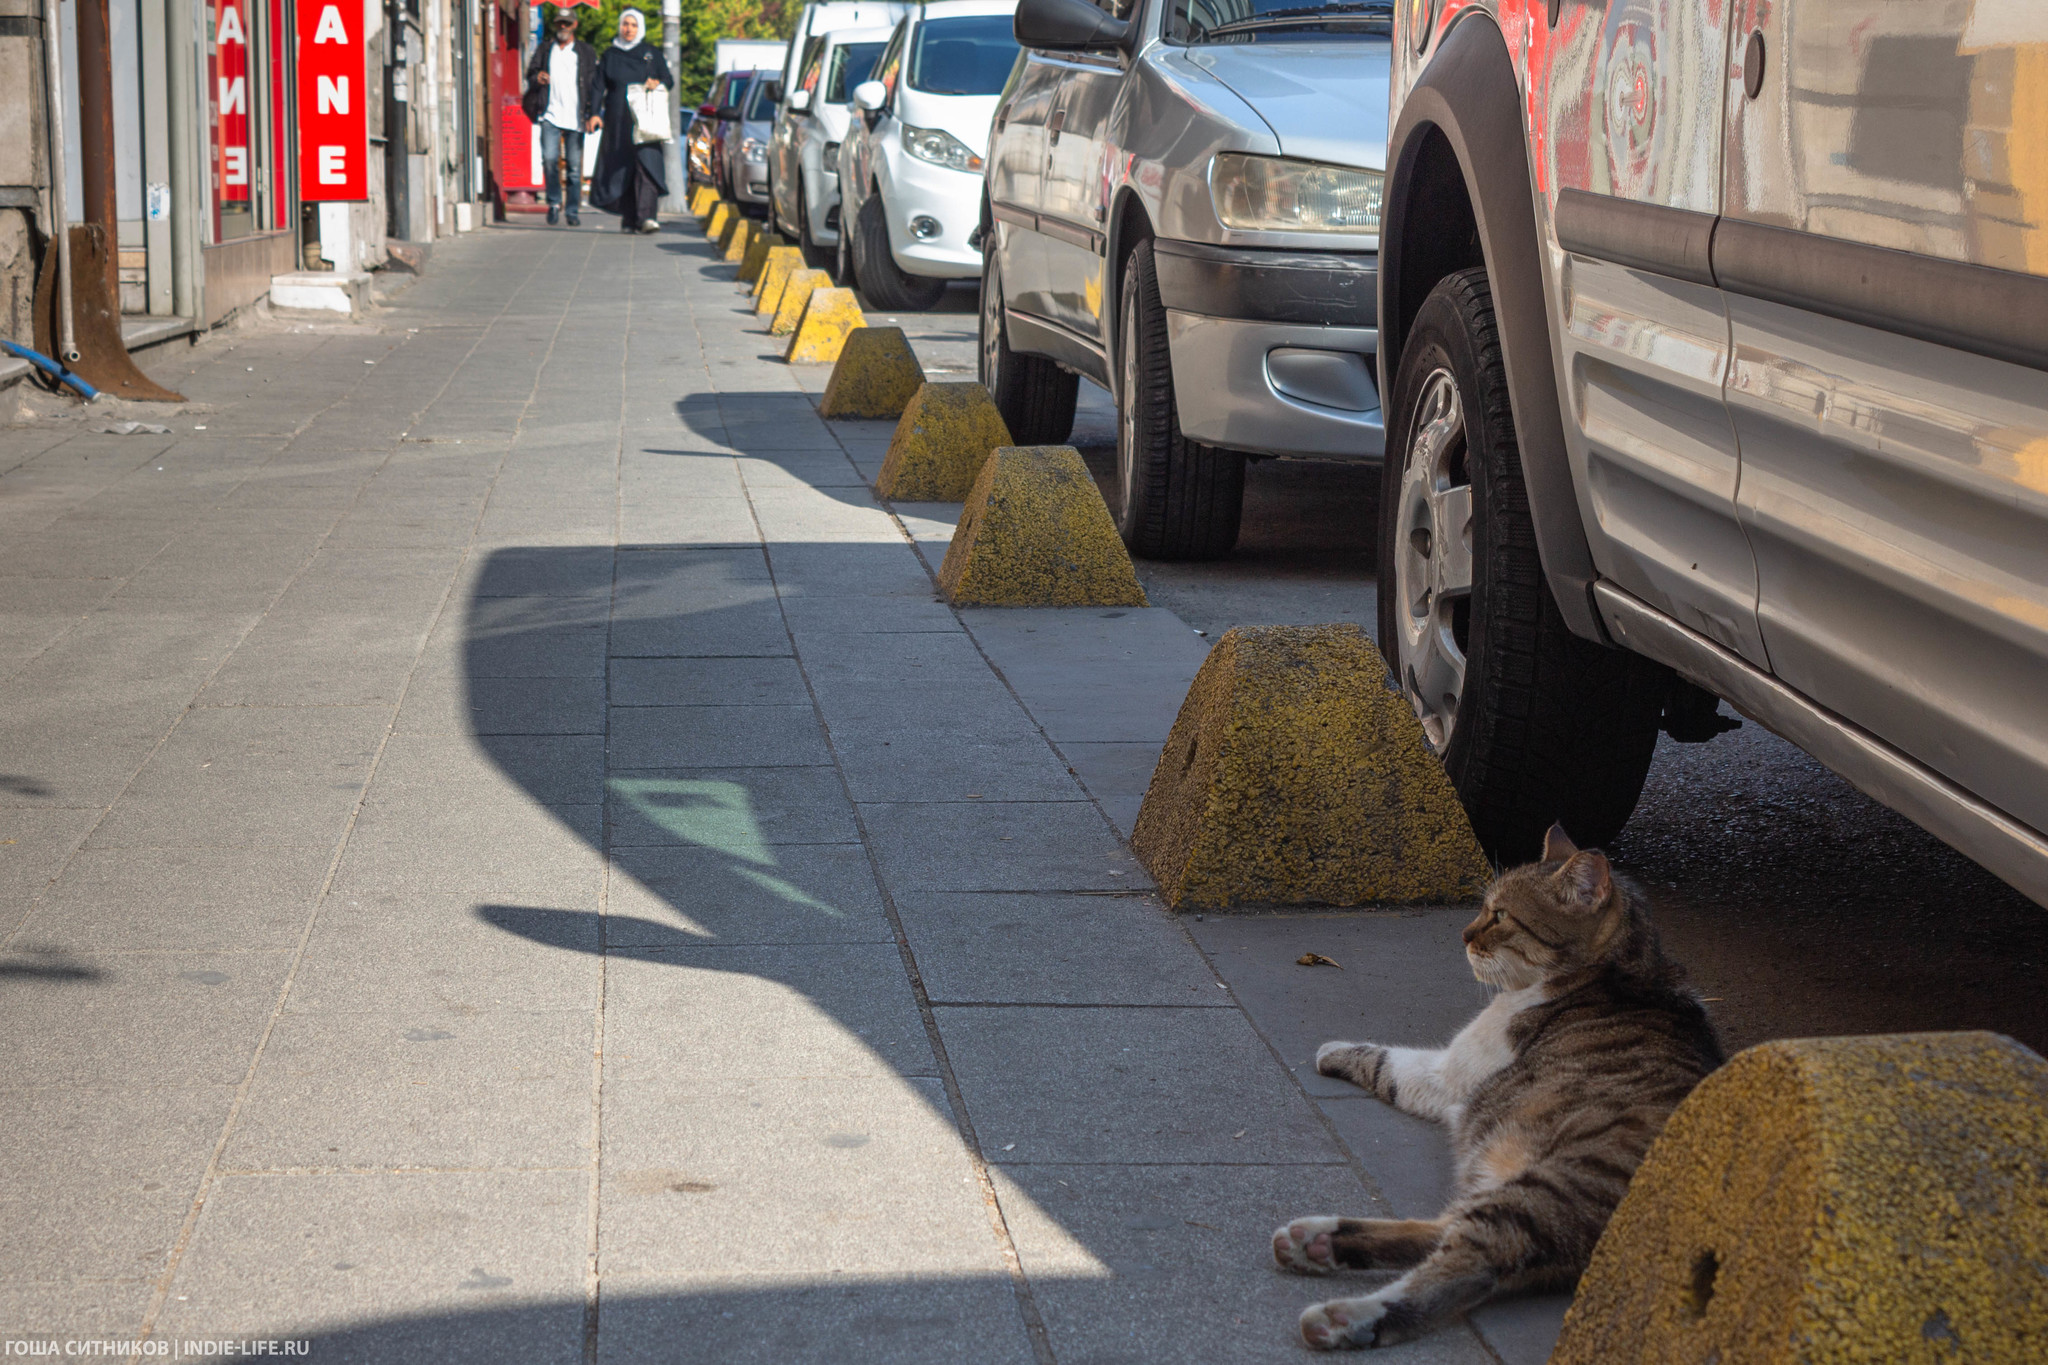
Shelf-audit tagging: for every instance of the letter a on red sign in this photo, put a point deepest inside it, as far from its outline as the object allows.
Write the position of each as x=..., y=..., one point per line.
x=333, y=102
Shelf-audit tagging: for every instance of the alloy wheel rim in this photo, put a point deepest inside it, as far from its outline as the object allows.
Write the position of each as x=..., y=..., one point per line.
x=1433, y=557
x=1126, y=414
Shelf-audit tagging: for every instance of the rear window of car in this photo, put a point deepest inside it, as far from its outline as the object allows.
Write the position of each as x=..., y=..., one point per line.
x=851, y=65
x=759, y=107
x=969, y=55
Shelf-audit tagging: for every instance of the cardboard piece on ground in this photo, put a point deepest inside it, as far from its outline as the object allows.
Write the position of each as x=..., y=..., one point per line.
x=1296, y=774
x=877, y=375
x=1834, y=1199
x=941, y=442
x=1035, y=533
x=829, y=317
x=789, y=309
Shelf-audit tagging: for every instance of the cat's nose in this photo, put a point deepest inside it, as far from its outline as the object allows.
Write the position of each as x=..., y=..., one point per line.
x=1470, y=933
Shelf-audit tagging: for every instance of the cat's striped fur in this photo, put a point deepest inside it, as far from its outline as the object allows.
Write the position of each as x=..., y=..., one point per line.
x=1552, y=1094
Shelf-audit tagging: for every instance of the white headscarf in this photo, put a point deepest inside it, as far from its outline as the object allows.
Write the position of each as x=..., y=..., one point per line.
x=620, y=42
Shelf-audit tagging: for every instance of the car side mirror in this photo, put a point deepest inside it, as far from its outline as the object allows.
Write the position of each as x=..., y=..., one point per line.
x=799, y=101
x=870, y=96
x=1070, y=26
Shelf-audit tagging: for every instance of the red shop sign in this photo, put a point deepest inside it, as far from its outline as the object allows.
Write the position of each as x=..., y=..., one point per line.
x=230, y=63
x=334, y=115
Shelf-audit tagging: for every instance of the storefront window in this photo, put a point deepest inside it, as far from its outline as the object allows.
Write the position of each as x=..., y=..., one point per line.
x=245, y=87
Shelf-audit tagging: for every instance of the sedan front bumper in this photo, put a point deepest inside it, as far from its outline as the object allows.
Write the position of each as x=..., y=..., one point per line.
x=1273, y=350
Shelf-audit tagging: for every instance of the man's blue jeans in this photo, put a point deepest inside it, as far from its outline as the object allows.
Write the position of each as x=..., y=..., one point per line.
x=556, y=143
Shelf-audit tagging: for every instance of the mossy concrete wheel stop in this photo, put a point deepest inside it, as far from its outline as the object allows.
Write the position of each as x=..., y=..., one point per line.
x=732, y=244
x=789, y=309
x=877, y=375
x=720, y=221
x=780, y=264
x=941, y=442
x=759, y=243
x=1824, y=1200
x=829, y=317
x=1296, y=774
x=1035, y=533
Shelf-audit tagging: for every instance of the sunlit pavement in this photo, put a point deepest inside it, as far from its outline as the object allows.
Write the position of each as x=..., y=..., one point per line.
x=506, y=858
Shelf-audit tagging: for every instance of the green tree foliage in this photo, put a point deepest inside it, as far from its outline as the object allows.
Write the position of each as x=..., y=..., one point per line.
x=704, y=22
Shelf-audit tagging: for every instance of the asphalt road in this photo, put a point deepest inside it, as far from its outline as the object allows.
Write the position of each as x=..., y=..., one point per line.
x=1800, y=906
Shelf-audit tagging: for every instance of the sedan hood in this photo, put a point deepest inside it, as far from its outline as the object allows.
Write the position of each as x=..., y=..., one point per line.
x=1324, y=101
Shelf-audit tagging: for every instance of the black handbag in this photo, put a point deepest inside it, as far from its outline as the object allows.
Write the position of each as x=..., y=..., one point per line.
x=534, y=103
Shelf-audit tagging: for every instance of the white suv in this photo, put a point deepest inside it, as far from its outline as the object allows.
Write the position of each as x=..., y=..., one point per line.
x=804, y=153
x=910, y=167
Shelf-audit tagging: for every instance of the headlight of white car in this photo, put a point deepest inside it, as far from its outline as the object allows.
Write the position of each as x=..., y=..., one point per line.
x=1270, y=194
x=941, y=148
x=753, y=149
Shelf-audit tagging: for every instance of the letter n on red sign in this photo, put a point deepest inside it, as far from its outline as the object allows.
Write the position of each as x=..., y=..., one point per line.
x=334, y=118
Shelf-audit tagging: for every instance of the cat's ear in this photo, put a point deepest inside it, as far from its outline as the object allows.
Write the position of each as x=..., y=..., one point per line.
x=1586, y=879
x=1557, y=845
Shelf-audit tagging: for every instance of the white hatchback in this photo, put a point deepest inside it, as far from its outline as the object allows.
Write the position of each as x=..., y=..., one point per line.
x=804, y=152
x=910, y=166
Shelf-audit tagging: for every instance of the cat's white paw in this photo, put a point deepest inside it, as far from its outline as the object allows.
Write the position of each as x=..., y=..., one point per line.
x=1303, y=1246
x=1346, y=1061
x=1342, y=1324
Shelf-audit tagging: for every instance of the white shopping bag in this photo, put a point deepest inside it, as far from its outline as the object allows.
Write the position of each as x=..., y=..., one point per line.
x=650, y=113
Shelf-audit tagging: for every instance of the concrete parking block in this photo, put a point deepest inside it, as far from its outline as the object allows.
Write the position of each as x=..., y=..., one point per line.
x=412, y=1085
x=157, y=899
x=461, y=1266
x=878, y=1161
x=1118, y=1085
x=790, y=893
x=999, y=846
x=999, y=948
x=728, y=807
x=761, y=1012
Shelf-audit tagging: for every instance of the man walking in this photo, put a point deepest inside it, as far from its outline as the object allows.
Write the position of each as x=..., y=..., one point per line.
x=568, y=68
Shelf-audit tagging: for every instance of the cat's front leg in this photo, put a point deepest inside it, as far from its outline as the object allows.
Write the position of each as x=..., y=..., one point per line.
x=1342, y=1324
x=1406, y=1077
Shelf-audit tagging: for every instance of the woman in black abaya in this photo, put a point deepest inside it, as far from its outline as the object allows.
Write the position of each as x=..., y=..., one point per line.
x=628, y=180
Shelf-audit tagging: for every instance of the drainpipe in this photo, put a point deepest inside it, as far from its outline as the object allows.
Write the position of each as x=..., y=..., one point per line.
x=96, y=136
x=188, y=187
x=53, y=90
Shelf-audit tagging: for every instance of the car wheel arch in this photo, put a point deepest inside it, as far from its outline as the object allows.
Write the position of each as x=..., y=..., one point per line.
x=1466, y=106
x=1129, y=224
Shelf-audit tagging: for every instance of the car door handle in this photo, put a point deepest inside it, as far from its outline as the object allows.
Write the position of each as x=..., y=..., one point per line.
x=1053, y=126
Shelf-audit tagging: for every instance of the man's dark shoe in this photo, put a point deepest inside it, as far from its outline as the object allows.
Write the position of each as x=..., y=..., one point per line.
x=575, y=221
x=554, y=215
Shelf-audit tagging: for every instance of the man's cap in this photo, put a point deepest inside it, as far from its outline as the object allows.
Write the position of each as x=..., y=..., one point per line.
x=565, y=21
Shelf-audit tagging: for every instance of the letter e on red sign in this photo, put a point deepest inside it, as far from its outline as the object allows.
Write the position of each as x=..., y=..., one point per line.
x=333, y=100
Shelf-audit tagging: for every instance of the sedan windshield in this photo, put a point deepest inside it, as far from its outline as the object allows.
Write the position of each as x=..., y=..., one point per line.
x=759, y=107
x=965, y=56
x=1265, y=21
x=850, y=66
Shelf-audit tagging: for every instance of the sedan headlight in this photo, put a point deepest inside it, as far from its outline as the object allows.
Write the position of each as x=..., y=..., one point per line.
x=941, y=148
x=1269, y=194
x=753, y=149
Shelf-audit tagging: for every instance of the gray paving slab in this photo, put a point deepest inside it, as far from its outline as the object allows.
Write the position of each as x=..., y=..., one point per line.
x=449, y=1266
x=508, y=849
x=1127, y=1085
x=762, y=1012
x=923, y=1321
x=446, y=952
x=1058, y=660
x=244, y=776
x=999, y=846
x=717, y=736
x=446, y=703
x=707, y=682
x=96, y=1182
x=789, y=893
x=951, y=767
x=727, y=808
x=414, y=1086
x=166, y=899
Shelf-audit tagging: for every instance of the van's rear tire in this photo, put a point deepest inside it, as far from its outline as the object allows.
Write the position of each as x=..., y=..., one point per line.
x=1534, y=725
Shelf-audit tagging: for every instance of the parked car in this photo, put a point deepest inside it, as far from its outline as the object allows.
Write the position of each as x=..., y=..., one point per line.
x=821, y=17
x=1183, y=206
x=803, y=154
x=744, y=142
x=723, y=104
x=1720, y=378
x=910, y=167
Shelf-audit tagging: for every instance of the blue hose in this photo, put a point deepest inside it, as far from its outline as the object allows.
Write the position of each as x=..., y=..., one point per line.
x=51, y=368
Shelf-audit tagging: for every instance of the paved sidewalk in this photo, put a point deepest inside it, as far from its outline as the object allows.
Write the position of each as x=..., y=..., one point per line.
x=508, y=859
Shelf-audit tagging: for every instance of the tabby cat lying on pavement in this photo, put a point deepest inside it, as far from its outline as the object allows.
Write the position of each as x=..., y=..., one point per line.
x=1552, y=1094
